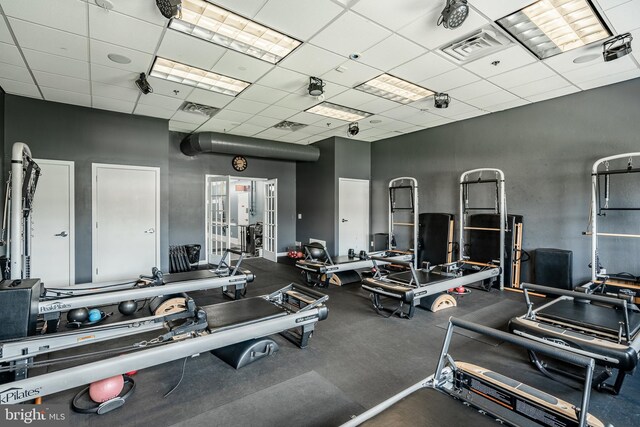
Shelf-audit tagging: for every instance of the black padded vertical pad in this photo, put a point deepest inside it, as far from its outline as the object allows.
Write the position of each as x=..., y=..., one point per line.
x=483, y=246
x=554, y=268
x=380, y=241
x=19, y=308
x=433, y=237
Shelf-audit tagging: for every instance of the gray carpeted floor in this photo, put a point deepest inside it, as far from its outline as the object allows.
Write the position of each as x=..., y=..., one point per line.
x=355, y=360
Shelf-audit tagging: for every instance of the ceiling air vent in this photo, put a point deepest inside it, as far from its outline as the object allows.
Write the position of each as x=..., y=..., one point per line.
x=285, y=125
x=204, y=110
x=481, y=43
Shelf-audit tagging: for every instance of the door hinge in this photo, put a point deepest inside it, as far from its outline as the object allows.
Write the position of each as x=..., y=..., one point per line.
x=96, y=271
x=96, y=224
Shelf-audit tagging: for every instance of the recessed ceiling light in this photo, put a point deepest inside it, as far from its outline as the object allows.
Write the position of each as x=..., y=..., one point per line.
x=201, y=109
x=394, y=89
x=105, y=4
x=120, y=59
x=222, y=27
x=192, y=76
x=287, y=125
x=548, y=28
x=586, y=58
x=339, y=112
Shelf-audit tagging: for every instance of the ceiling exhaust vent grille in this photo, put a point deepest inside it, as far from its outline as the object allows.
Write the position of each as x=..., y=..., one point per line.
x=481, y=43
x=203, y=110
x=285, y=125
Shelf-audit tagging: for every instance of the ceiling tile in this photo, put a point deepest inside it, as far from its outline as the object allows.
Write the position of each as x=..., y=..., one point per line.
x=391, y=52
x=564, y=62
x=377, y=106
x=66, y=97
x=495, y=98
x=217, y=125
x=300, y=19
x=636, y=35
x=153, y=111
x=12, y=72
x=297, y=102
x=178, y=126
x=540, y=86
x=56, y=64
x=292, y=137
x=233, y=116
x=19, y=88
x=246, y=106
x=304, y=118
x=352, y=98
x=426, y=32
x=262, y=121
x=351, y=74
x=169, y=88
x=350, y=33
x=421, y=68
x=45, y=39
x=260, y=93
x=272, y=134
x=115, y=92
x=247, y=130
x=507, y=105
x=246, y=8
x=111, y=104
x=5, y=35
x=194, y=119
x=162, y=101
x=329, y=123
x=474, y=90
x=145, y=10
x=189, y=50
x=625, y=16
x=495, y=10
x=608, y=4
x=65, y=83
x=610, y=79
x=207, y=97
x=311, y=60
x=394, y=14
x=140, y=61
x=9, y=54
x=449, y=80
x=283, y=79
x=241, y=66
x=601, y=69
x=509, y=59
x=113, y=76
x=403, y=113
x=390, y=124
x=123, y=30
x=49, y=13
x=553, y=94
x=527, y=74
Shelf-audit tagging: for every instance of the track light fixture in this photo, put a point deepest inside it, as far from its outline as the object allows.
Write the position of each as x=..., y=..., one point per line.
x=617, y=47
x=143, y=84
x=353, y=130
x=454, y=14
x=442, y=100
x=169, y=8
x=316, y=88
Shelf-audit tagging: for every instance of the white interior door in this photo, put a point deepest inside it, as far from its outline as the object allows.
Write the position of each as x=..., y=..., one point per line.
x=126, y=221
x=53, y=241
x=353, y=215
x=270, y=225
x=218, y=213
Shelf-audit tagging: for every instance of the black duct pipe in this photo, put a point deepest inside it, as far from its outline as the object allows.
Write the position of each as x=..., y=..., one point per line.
x=212, y=142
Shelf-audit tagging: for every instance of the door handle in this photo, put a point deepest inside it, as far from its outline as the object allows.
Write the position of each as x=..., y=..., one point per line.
x=150, y=231
x=61, y=234
x=345, y=220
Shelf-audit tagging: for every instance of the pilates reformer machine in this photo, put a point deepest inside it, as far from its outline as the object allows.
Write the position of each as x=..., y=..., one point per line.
x=434, y=287
x=461, y=393
x=290, y=311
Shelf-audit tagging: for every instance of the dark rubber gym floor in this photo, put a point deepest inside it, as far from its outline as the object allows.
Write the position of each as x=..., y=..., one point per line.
x=355, y=360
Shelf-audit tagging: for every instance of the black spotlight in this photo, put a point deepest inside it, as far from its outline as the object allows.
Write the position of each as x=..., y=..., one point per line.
x=143, y=84
x=353, y=129
x=442, y=100
x=169, y=8
x=316, y=86
x=617, y=47
x=454, y=14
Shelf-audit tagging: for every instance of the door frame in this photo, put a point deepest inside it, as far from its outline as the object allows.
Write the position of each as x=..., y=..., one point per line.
x=368, y=218
x=94, y=206
x=72, y=211
x=274, y=182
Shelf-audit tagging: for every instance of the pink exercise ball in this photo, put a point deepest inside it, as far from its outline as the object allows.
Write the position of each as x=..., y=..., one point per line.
x=106, y=389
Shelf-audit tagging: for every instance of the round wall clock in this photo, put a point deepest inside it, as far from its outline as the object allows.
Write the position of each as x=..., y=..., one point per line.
x=239, y=163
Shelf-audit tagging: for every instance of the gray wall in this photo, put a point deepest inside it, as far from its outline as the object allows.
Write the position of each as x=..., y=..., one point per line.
x=2, y=100
x=546, y=151
x=86, y=136
x=187, y=185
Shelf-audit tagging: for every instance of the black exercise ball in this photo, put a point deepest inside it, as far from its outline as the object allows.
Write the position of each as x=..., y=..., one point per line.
x=78, y=315
x=127, y=307
x=316, y=251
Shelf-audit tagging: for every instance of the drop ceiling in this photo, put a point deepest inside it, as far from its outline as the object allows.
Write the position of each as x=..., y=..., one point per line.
x=57, y=50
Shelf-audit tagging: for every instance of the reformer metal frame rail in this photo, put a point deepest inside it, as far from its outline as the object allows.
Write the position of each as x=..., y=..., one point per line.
x=412, y=185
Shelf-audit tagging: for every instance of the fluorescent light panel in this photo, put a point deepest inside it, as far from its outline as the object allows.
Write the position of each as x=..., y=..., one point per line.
x=395, y=89
x=551, y=27
x=339, y=112
x=180, y=73
x=217, y=25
